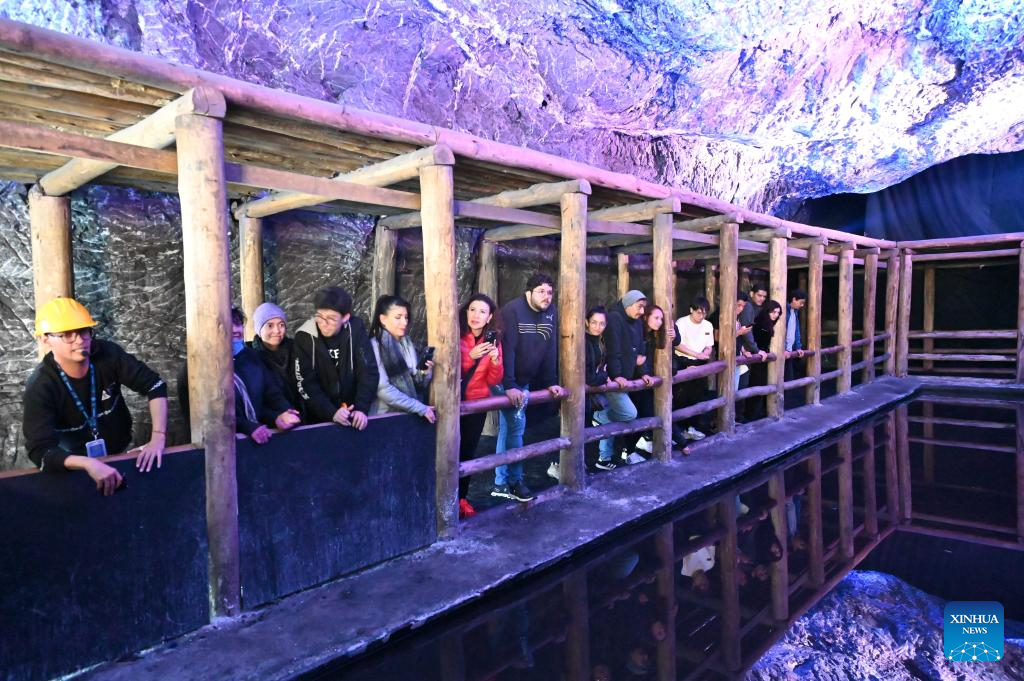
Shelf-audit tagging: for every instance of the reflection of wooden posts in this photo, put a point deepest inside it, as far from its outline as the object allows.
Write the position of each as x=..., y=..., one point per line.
x=780, y=568
x=845, y=381
x=622, y=260
x=451, y=654
x=250, y=268
x=870, y=485
x=903, y=316
x=816, y=539
x=892, y=297
x=868, y=325
x=928, y=313
x=801, y=283
x=777, y=274
x=442, y=304
x=665, y=547
x=727, y=252
x=711, y=293
x=744, y=279
x=815, y=263
x=204, y=240
x=661, y=262
x=732, y=658
x=577, y=641
x=845, y=474
x=52, y=265
x=928, y=449
x=903, y=461
x=1020, y=474
x=892, y=480
x=1020, y=317
x=385, y=244
x=572, y=303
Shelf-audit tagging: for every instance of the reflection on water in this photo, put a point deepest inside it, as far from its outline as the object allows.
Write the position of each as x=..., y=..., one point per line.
x=704, y=594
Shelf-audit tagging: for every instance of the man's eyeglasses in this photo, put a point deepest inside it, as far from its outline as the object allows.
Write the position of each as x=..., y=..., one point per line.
x=72, y=336
x=328, y=320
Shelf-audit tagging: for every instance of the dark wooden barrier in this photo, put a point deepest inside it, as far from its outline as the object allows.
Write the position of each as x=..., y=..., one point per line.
x=88, y=578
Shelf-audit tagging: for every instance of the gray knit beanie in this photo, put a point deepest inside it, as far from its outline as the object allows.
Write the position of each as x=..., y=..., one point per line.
x=264, y=313
x=631, y=297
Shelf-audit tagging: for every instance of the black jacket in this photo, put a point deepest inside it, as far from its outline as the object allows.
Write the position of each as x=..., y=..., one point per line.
x=624, y=340
x=52, y=424
x=529, y=345
x=324, y=387
x=648, y=366
x=280, y=365
x=260, y=385
x=597, y=367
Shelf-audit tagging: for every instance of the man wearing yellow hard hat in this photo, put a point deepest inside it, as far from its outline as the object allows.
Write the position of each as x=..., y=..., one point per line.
x=74, y=410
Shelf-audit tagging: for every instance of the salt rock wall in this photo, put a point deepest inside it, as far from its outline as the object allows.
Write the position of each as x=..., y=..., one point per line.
x=875, y=626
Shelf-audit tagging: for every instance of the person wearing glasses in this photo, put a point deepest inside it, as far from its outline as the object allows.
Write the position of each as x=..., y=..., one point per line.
x=696, y=343
x=74, y=411
x=335, y=369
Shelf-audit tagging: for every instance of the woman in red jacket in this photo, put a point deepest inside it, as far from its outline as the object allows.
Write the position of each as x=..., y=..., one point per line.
x=481, y=369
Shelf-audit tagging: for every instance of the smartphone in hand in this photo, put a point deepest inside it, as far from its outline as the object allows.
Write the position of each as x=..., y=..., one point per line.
x=490, y=337
x=428, y=355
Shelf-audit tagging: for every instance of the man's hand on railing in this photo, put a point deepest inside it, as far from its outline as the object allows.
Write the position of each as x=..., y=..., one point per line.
x=799, y=353
x=763, y=355
x=515, y=395
x=621, y=381
x=648, y=381
x=557, y=391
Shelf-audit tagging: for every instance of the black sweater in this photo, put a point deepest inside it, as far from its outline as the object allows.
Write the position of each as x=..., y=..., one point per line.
x=597, y=367
x=323, y=385
x=529, y=346
x=55, y=428
x=280, y=365
x=267, y=401
x=624, y=339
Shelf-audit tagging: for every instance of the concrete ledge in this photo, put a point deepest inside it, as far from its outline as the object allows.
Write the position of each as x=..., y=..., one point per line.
x=340, y=619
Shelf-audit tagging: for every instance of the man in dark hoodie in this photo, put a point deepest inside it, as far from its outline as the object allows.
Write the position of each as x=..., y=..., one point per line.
x=335, y=368
x=624, y=341
x=530, y=348
x=74, y=410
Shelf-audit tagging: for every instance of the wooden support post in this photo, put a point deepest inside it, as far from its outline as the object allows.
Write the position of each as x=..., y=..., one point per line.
x=743, y=283
x=250, y=270
x=1020, y=316
x=622, y=260
x=385, y=243
x=732, y=658
x=204, y=239
x=487, y=283
x=572, y=307
x=661, y=262
x=870, y=485
x=868, y=323
x=711, y=293
x=903, y=319
x=780, y=568
x=664, y=544
x=845, y=381
x=801, y=283
x=52, y=266
x=928, y=313
x=442, y=305
x=1020, y=474
x=577, y=640
x=892, y=301
x=928, y=449
x=726, y=325
x=815, y=265
x=815, y=539
x=892, y=478
x=903, y=461
x=777, y=275
x=845, y=474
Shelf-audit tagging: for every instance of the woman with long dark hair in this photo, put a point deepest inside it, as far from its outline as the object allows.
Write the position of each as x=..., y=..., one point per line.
x=401, y=383
x=656, y=337
x=482, y=369
x=597, y=375
x=764, y=328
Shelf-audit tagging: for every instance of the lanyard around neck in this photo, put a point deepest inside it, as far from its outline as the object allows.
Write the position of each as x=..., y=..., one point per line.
x=91, y=421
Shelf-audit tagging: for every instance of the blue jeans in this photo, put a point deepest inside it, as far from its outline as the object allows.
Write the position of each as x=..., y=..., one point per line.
x=511, y=425
x=620, y=409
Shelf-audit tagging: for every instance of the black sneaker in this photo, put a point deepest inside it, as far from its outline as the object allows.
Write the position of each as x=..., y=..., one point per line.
x=608, y=465
x=502, y=491
x=520, y=492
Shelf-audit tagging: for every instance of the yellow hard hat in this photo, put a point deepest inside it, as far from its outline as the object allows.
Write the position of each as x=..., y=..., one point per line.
x=62, y=314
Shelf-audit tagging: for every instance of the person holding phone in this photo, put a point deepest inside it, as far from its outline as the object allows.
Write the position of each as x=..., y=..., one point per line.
x=482, y=369
x=74, y=410
x=402, y=378
x=335, y=373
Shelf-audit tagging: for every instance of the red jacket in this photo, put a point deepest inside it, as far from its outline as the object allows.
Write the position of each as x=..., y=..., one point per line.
x=487, y=373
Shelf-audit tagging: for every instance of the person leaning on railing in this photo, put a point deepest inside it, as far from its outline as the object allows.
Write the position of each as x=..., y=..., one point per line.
x=482, y=369
x=403, y=378
x=624, y=340
x=696, y=342
x=277, y=352
x=657, y=336
x=613, y=407
x=73, y=407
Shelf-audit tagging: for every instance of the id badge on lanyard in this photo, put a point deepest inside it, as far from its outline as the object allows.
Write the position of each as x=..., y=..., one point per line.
x=97, y=446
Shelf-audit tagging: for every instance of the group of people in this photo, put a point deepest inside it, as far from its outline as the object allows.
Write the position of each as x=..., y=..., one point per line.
x=335, y=369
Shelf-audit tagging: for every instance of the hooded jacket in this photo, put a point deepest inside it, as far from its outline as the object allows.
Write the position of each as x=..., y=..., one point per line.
x=52, y=424
x=280, y=366
x=261, y=388
x=324, y=387
x=624, y=341
x=530, y=345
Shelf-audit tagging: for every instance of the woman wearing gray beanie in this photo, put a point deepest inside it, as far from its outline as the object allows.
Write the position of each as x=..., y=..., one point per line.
x=275, y=349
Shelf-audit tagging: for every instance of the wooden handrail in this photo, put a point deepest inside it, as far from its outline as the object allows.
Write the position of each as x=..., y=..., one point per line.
x=503, y=402
x=595, y=433
x=1008, y=333
x=943, y=357
x=702, y=371
x=633, y=386
x=492, y=461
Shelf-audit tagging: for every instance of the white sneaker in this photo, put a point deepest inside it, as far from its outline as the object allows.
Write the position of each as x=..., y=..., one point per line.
x=645, y=445
x=694, y=434
x=634, y=459
x=553, y=470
